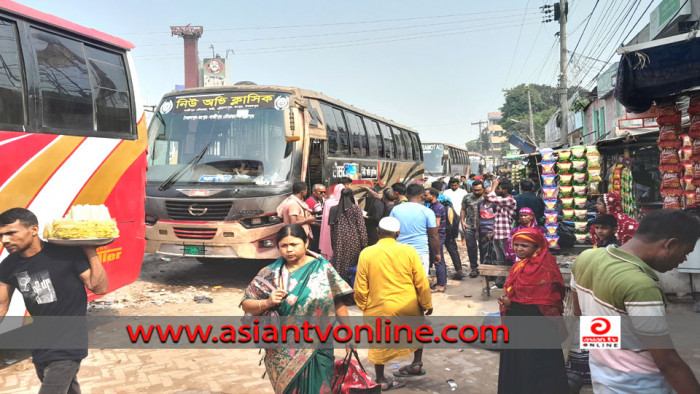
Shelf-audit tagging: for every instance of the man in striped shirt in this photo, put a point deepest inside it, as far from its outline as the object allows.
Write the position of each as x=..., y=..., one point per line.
x=620, y=281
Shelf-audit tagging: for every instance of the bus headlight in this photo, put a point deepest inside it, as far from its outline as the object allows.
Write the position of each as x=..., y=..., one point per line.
x=268, y=243
x=261, y=221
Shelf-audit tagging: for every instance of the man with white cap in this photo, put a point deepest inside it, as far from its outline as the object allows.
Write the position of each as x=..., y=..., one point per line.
x=391, y=281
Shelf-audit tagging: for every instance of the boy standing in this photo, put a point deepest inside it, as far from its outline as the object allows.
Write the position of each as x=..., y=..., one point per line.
x=605, y=228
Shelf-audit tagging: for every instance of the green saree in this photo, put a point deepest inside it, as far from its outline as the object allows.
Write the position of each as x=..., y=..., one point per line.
x=313, y=289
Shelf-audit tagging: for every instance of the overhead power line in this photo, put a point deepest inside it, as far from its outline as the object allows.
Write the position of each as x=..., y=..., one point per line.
x=340, y=23
x=588, y=20
x=500, y=18
x=340, y=44
x=627, y=36
x=515, y=52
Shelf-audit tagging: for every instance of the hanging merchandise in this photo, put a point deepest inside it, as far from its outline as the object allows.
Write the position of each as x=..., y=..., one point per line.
x=549, y=191
x=629, y=201
x=673, y=155
x=565, y=179
x=547, y=155
x=578, y=151
x=567, y=202
x=564, y=155
x=549, y=180
x=550, y=205
x=564, y=167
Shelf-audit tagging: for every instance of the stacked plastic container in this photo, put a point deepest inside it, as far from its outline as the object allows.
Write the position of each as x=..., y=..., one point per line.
x=577, y=193
x=549, y=195
x=517, y=172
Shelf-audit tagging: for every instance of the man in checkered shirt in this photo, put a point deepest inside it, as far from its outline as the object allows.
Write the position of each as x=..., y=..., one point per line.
x=505, y=209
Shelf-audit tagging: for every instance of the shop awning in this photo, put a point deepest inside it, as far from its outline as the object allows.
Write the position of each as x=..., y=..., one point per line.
x=523, y=145
x=631, y=139
x=656, y=70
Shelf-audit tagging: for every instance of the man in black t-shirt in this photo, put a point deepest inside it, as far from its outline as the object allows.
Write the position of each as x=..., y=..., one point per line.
x=52, y=280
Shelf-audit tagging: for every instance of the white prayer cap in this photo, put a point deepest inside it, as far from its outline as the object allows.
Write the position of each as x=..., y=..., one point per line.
x=390, y=224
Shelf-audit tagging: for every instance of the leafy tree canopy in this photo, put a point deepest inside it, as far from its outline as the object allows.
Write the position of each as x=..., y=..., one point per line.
x=545, y=102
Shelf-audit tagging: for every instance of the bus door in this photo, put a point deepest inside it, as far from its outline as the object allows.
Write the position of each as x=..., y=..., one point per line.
x=314, y=171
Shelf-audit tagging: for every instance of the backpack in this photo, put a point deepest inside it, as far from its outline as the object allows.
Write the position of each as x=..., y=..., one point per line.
x=452, y=218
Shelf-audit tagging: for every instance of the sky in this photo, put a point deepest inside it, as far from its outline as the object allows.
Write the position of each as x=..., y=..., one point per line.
x=434, y=66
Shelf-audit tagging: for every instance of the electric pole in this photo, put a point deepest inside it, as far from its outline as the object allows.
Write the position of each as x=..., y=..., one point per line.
x=481, y=138
x=532, y=123
x=563, y=89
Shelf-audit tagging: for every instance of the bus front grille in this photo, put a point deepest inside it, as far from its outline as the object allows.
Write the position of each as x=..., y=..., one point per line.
x=198, y=211
x=194, y=233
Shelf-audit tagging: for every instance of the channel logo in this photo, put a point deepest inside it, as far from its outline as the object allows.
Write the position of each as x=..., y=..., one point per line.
x=599, y=332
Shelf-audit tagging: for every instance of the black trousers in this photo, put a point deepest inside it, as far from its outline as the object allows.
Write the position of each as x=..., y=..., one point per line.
x=473, y=250
x=451, y=246
x=58, y=376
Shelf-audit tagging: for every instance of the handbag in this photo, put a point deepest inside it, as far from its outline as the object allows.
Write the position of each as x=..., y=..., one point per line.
x=351, y=378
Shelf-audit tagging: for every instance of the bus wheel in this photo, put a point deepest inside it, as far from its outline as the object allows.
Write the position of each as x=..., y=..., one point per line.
x=209, y=260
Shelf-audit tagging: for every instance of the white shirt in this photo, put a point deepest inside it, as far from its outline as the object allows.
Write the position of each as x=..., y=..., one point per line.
x=456, y=196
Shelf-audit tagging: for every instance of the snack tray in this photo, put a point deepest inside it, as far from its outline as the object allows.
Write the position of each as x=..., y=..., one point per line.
x=81, y=242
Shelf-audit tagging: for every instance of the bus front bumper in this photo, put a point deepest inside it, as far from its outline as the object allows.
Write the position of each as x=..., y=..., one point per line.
x=212, y=240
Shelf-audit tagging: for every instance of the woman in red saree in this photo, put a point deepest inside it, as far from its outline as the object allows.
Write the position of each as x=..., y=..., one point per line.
x=611, y=203
x=534, y=287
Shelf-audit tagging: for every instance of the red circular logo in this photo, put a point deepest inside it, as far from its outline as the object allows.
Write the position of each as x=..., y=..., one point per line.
x=600, y=326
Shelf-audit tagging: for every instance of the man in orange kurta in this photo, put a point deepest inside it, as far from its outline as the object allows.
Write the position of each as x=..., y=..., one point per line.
x=391, y=281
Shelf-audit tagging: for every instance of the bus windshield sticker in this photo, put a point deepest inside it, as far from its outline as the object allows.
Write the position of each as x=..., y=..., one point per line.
x=219, y=178
x=281, y=102
x=230, y=101
x=166, y=107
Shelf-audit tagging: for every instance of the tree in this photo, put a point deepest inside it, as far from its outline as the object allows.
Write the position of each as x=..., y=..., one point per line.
x=474, y=145
x=545, y=102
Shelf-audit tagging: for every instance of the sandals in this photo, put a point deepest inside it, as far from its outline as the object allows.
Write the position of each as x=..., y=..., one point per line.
x=390, y=384
x=410, y=370
x=438, y=289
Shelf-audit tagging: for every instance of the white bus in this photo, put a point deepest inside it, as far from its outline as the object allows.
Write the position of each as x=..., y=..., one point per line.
x=221, y=159
x=444, y=160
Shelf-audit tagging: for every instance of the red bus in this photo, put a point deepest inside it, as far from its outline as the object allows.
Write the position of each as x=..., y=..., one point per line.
x=72, y=130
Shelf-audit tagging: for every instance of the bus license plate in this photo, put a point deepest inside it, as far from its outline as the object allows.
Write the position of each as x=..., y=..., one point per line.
x=194, y=250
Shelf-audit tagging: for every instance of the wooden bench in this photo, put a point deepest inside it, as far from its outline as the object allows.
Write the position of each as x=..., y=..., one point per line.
x=491, y=270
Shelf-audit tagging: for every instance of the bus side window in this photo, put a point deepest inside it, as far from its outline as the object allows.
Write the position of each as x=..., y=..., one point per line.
x=359, y=138
x=400, y=149
x=110, y=89
x=331, y=129
x=375, y=140
x=66, y=94
x=417, y=151
x=389, y=147
x=408, y=144
x=343, y=135
x=11, y=82
x=81, y=94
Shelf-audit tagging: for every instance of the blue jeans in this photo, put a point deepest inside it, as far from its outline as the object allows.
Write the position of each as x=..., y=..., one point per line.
x=440, y=269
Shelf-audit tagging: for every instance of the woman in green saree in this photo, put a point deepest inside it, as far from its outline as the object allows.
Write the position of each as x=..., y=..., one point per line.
x=298, y=284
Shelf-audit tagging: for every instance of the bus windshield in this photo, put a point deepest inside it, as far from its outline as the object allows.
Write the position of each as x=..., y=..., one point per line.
x=218, y=146
x=432, y=156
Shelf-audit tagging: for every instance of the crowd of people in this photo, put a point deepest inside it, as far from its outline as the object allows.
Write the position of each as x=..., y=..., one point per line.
x=412, y=225
x=379, y=258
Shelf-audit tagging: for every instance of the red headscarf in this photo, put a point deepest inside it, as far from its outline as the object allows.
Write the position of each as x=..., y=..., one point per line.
x=626, y=226
x=536, y=280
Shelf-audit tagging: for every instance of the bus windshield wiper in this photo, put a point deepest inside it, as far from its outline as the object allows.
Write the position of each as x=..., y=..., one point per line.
x=177, y=174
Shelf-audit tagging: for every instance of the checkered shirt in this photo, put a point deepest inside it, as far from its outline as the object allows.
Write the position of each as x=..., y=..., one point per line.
x=505, y=209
